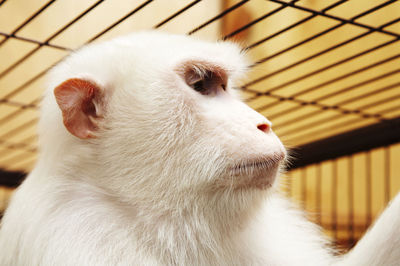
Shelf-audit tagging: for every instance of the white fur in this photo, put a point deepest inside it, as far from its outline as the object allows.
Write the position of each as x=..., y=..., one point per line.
x=153, y=188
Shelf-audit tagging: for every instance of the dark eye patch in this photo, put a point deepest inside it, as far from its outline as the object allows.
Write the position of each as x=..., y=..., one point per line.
x=199, y=86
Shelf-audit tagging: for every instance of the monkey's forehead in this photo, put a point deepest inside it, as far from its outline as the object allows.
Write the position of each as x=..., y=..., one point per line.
x=171, y=47
x=150, y=50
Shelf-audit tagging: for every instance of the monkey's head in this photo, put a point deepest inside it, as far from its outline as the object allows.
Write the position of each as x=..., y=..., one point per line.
x=156, y=115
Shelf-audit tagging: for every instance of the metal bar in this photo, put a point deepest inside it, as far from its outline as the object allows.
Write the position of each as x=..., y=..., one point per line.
x=385, y=88
x=318, y=198
x=332, y=118
x=26, y=161
x=343, y=226
x=359, y=140
x=304, y=59
x=18, y=62
x=21, y=105
x=322, y=106
x=357, y=71
x=31, y=138
x=314, y=55
x=257, y=43
x=311, y=125
x=22, y=87
x=120, y=20
x=46, y=42
x=18, y=158
x=16, y=146
x=321, y=121
x=299, y=118
x=64, y=28
x=315, y=101
x=19, y=128
x=324, y=130
x=350, y=184
x=387, y=174
x=296, y=45
x=334, y=5
x=16, y=112
x=326, y=67
x=223, y=13
x=334, y=199
x=165, y=21
x=11, y=116
x=368, y=189
x=27, y=83
x=294, y=109
x=347, y=21
x=34, y=41
x=284, y=29
x=6, y=152
x=372, y=9
x=385, y=100
x=303, y=181
x=248, y=25
x=349, y=88
x=81, y=15
x=37, y=13
x=388, y=110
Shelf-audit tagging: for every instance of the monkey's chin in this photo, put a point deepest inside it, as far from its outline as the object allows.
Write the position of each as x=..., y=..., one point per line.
x=257, y=174
x=254, y=178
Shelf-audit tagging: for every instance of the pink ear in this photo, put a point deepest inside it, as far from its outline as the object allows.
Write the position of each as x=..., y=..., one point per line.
x=75, y=98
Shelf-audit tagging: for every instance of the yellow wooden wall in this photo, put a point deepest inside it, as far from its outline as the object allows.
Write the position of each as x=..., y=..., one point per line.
x=345, y=195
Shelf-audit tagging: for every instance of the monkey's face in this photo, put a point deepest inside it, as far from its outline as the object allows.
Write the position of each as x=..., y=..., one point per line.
x=249, y=154
x=188, y=124
x=168, y=120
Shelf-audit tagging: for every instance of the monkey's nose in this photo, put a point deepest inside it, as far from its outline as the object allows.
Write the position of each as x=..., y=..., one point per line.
x=264, y=127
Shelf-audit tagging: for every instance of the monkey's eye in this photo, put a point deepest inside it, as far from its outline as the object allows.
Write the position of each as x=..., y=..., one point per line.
x=204, y=81
x=200, y=87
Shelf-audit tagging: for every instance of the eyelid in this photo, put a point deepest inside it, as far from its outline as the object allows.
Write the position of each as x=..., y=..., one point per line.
x=194, y=80
x=193, y=69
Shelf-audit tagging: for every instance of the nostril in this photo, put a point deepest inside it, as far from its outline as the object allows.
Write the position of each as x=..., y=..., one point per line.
x=263, y=127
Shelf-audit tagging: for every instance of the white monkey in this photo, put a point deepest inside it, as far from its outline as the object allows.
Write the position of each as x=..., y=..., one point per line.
x=148, y=158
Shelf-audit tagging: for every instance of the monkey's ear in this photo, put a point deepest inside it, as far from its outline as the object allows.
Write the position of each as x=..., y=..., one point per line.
x=77, y=101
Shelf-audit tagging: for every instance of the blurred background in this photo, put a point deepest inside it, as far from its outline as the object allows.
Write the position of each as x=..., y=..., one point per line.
x=326, y=73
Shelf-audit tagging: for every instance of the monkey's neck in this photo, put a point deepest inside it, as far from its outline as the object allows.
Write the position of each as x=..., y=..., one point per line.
x=201, y=231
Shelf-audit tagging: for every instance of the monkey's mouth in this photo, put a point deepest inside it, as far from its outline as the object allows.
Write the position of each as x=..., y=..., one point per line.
x=265, y=163
x=258, y=173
